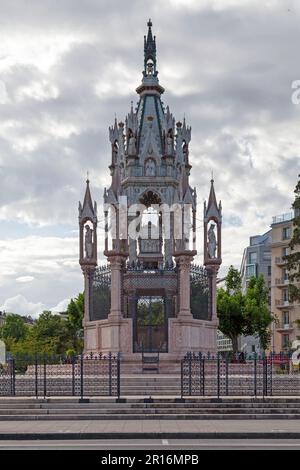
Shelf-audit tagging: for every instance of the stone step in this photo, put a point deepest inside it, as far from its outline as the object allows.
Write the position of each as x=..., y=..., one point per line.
x=141, y=406
x=172, y=400
x=149, y=416
x=156, y=411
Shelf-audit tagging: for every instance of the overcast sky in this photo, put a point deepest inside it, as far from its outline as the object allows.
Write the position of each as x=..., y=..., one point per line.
x=68, y=66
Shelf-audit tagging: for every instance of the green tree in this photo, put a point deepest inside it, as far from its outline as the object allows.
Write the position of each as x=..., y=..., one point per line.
x=75, y=311
x=256, y=311
x=14, y=328
x=293, y=259
x=49, y=335
x=230, y=302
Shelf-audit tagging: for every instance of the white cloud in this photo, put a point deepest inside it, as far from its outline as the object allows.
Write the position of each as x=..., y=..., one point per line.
x=25, y=279
x=61, y=306
x=20, y=305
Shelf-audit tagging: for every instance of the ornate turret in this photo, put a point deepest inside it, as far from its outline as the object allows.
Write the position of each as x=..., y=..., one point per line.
x=149, y=53
x=88, y=229
x=212, y=220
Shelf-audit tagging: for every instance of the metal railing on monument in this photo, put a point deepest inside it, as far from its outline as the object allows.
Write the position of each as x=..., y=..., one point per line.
x=229, y=374
x=43, y=375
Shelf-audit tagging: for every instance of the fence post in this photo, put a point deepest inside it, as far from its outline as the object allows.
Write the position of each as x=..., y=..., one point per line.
x=271, y=374
x=265, y=391
x=73, y=375
x=109, y=375
x=200, y=372
x=118, y=375
x=36, y=368
x=81, y=376
x=45, y=375
x=226, y=374
x=218, y=375
x=181, y=368
x=13, y=376
x=255, y=375
x=203, y=376
x=190, y=374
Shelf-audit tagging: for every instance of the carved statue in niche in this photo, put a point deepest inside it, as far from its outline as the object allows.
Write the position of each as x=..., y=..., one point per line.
x=150, y=167
x=132, y=145
x=212, y=242
x=169, y=144
x=88, y=242
x=185, y=150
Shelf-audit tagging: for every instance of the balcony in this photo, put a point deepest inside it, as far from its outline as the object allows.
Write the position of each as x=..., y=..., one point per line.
x=279, y=260
x=281, y=282
x=278, y=219
x=282, y=303
x=284, y=327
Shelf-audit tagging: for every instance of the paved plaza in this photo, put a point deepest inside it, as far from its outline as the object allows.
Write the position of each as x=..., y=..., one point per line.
x=150, y=429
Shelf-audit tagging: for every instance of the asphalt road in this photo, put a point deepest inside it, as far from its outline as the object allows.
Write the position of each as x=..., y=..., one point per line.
x=170, y=444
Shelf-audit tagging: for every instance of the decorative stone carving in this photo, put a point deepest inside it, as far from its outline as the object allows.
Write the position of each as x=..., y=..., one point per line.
x=169, y=145
x=88, y=242
x=212, y=242
x=150, y=167
x=132, y=145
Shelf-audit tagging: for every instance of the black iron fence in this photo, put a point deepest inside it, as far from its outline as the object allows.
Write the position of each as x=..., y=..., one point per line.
x=238, y=375
x=43, y=376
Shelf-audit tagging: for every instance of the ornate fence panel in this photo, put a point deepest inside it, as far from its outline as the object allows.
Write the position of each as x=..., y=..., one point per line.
x=6, y=379
x=200, y=292
x=216, y=375
x=100, y=293
x=44, y=376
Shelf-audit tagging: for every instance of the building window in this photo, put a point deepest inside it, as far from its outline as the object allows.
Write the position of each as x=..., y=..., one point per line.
x=285, y=318
x=267, y=255
x=285, y=341
x=285, y=275
x=285, y=251
x=269, y=270
x=286, y=233
x=252, y=257
x=285, y=295
x=250, y=270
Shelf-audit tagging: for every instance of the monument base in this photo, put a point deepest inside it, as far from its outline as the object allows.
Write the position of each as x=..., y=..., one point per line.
x=184, y=334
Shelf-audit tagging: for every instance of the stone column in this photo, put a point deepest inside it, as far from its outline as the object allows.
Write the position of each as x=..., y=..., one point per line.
x=212, y=272
x=184, y=263
x=116, y=262
x=88, y=272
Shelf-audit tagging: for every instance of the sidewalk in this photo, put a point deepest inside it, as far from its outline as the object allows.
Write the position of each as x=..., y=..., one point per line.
x=150, y=429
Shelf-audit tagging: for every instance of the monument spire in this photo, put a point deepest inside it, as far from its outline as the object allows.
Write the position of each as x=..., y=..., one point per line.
x=150, y=52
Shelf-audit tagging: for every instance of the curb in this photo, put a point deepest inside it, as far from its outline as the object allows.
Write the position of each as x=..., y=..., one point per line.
x=148, y=435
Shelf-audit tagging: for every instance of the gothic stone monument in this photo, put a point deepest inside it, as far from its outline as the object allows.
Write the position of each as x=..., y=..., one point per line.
x=150, y=296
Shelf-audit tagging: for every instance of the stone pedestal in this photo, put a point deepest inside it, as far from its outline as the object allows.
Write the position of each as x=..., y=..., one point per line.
x=184, y=260
x=109, y=335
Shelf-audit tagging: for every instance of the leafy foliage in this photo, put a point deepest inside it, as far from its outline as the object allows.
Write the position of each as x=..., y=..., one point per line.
x=50, y=334
x=293, y=259
x=256, y=311
x=230, y=307
x=14, y=328
x=247, y=314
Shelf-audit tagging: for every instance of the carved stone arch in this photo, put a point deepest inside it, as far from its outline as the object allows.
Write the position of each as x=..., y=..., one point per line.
x=150, y=196
x=84, y=222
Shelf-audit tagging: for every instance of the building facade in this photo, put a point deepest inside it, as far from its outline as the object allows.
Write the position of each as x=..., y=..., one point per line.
x=284, y=330
x=256, y=260
x=150, y=296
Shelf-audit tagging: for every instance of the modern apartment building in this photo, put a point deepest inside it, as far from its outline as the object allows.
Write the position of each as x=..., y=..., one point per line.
x=256, y=260
x=285, y=330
